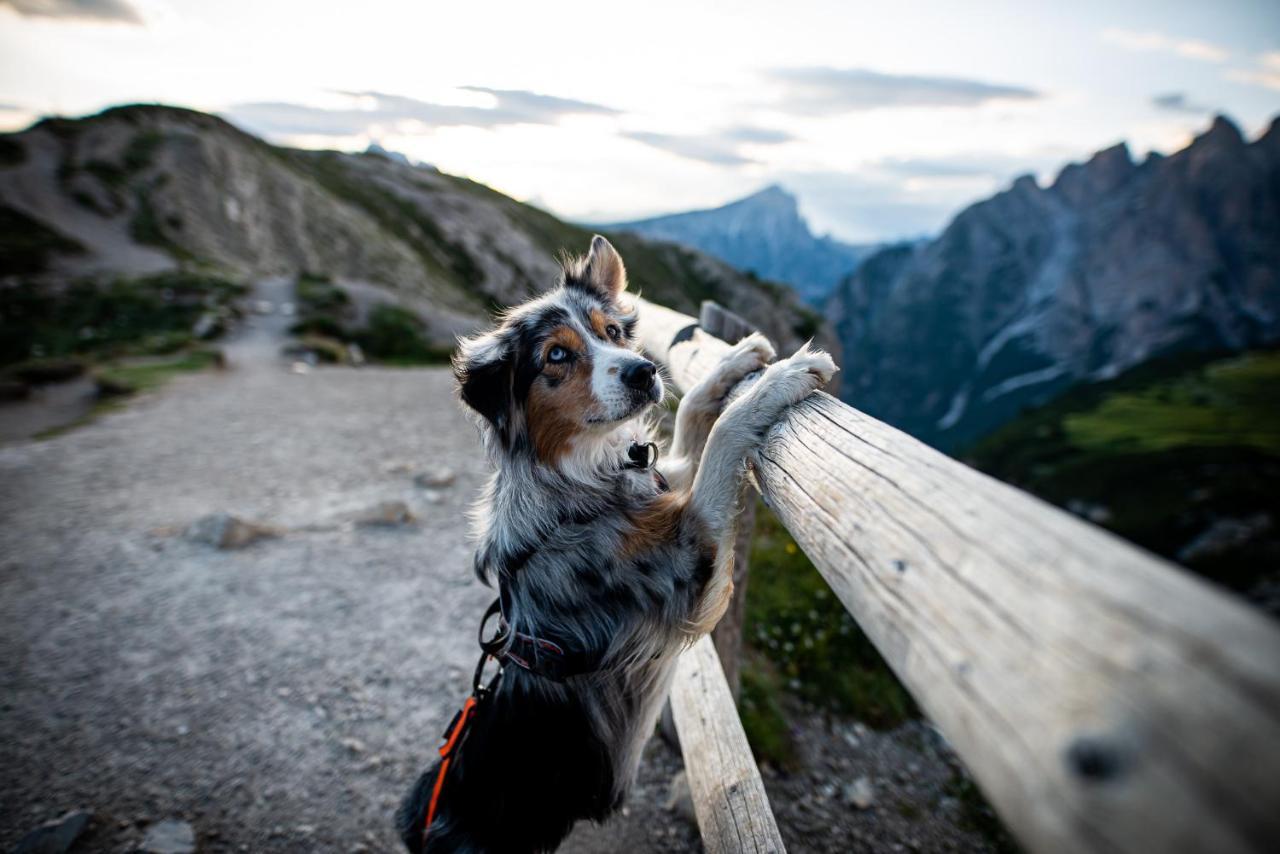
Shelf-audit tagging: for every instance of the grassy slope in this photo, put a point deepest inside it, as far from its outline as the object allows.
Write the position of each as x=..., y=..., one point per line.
x=1160, y=456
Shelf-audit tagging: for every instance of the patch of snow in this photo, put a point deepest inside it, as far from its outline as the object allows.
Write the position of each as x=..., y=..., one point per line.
x=1043, y=375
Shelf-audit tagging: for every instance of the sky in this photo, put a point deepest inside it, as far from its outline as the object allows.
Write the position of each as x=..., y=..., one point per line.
x=884, y=119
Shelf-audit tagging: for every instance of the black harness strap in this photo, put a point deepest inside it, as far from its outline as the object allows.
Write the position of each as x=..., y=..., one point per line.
x=550, y=659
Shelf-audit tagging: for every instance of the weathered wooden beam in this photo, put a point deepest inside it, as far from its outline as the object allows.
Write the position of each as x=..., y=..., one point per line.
x=1104, y=699
x=728, y=795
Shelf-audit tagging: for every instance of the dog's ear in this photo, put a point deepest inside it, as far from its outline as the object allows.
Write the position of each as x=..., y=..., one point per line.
x=603, y=270
x=482, y=367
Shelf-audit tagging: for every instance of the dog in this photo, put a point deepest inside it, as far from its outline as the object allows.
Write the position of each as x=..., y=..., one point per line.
x=607, y=567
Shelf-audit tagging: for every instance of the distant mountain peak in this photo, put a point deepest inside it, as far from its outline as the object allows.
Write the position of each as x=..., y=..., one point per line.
x=771, y=193
x=773, y=201
x=1100, y=175
x=1223, y=133
x=765, y=234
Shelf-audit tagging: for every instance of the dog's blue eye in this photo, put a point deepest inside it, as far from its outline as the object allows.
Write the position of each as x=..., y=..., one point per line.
x=557, y=354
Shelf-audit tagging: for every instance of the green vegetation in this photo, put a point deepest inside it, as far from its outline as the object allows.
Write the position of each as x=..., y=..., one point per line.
x=1233, y=403
x=801, y=638
x=129, y=377
x=154, y=314
x=27, y=245
x=131, y=334
x=761, y=712
x=1180, y=456
x=391, y=334
x=396, y=335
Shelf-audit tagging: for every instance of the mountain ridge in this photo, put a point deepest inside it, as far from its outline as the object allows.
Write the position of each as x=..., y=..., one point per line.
x=1037, y=288
x=145, y=188
x=763, y=233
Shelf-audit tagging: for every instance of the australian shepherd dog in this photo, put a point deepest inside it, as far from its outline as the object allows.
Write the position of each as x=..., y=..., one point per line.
x=607, y=566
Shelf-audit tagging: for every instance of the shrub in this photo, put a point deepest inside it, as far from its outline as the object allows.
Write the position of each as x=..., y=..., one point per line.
x=395, y=334
x=154, y=314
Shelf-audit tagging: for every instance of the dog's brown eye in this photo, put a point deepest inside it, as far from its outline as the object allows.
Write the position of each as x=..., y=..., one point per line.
x=557, y=354
x=613, y=332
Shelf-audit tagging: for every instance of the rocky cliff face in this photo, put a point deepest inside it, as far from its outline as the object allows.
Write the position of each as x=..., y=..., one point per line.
x=140, y=189
x=763, y=233
x=1040, y=288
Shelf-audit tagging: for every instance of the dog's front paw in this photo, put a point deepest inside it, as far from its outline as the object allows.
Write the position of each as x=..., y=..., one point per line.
x=798, y=376
x=749, y=355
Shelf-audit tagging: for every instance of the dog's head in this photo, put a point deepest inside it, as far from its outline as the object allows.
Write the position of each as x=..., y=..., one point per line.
x=563, y=366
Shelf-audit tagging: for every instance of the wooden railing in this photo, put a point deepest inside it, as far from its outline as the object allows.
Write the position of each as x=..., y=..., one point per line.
x=1104, y=699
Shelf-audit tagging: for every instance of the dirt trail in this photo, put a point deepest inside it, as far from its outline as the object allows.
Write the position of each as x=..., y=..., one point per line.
x=281, y=697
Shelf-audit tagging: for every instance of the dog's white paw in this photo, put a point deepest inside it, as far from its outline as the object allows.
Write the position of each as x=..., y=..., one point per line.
x=794, y=378
x=814, y=361
x=749, y=355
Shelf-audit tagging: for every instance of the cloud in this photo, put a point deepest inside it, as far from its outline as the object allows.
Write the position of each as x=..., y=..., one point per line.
x=379, y=109
x=723, y=147
x=755, y=135
x=1153, y=41
x=116, y=11
x=814, y=91
x=1177, y=102
x=535, y=105
x=984, y=165
x=1267, y=73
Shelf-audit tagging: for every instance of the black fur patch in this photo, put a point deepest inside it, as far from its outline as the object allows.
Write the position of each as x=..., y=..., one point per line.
x=523, y=776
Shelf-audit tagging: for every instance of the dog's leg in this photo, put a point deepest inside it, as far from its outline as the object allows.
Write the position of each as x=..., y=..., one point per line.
x=703, y=403
x=738, y=432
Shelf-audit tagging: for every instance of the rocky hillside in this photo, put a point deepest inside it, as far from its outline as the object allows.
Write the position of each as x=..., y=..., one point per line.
x=763, y=233
x=1040, y=288
x=141, y=189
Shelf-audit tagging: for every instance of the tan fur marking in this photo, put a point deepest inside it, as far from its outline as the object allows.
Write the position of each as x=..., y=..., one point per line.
x=563, y=336
x=599, y=323
x=657, y=522
x=556, y=413
x=716, y=597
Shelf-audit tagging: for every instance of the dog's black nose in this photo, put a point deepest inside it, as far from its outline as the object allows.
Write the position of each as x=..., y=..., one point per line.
x=639, y=375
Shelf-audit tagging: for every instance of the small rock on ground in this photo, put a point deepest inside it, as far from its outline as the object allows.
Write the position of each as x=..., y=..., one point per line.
x=859, y=794
x=438, y=479
x=169, y=837
x=55, y=837
x=388, y=514
x=224, y=531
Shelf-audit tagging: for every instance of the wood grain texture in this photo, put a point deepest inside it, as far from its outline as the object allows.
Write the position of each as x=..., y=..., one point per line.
x=1104, y=699
x=728, y=795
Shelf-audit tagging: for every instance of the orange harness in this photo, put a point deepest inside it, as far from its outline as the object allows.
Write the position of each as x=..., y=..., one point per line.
x=452, y=738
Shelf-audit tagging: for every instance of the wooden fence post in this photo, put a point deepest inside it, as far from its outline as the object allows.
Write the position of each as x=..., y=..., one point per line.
x=729, y=327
